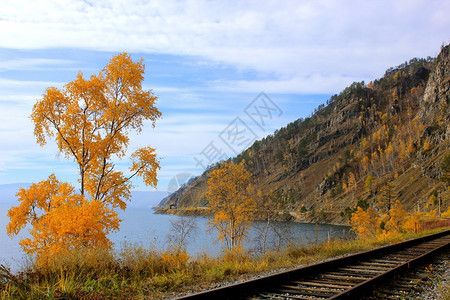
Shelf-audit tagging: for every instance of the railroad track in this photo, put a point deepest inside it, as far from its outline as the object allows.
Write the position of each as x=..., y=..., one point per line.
x=349, y=277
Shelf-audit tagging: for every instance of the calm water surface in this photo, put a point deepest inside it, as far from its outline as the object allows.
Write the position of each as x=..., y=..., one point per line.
x=140, y=226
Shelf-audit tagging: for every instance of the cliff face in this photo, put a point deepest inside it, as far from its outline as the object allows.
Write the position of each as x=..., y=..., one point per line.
x=390, y=134
x=435, y=102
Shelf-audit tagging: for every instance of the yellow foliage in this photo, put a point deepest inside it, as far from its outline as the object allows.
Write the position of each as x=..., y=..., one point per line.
x=410, y=222
x=403, y=151
x=237, y=254
x=62, y=220
x=366, y=224
x=387, y=235
x=410, y=146
x=174, y=260
x=364, y=143
x=446, y=214
x=351, y=181
x=368, y=183
x=397, y=216
x=389, y=149
x=231, y=201
x=432, y=213
x=365, y=161
x=91, y=119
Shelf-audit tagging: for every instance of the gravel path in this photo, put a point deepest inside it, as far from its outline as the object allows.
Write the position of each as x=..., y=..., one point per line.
x=437, y=284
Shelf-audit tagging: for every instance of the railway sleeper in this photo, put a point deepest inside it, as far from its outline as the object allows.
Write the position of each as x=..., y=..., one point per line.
x=294, y=292
x=369, y=267
x=385, y=261
x=330, y=281
x=357, y=275
x=325, y=285
x=386, y=265
x=406, y=252
x=362, y=272
x=411, y=253
x=290, y=296
x=313, y=289
x=395, y=259
x=417, y=250
x=404, y=258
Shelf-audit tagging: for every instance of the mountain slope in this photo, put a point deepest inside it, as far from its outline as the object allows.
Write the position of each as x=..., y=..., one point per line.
x=372, y=143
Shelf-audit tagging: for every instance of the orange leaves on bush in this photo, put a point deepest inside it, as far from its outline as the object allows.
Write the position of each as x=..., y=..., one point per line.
x=174, y=260
x=61, y=219
x=397, y=218
x=366, y=224
x=411, y=221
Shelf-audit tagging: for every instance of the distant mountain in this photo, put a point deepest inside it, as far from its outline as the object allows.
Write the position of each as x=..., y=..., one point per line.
x=374, y=143
x=147, y=199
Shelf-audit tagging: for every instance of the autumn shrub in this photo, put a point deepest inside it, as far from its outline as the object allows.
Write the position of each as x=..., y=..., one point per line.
x=139, y=273
x=390, y=227
x=174, y=260
x=366, y=224
x=411, y=221
x=446, y=214
x=80, y=260
x=137, y=259
x=397, y=217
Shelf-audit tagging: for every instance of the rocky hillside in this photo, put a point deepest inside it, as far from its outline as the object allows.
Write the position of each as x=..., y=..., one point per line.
x=373, y=143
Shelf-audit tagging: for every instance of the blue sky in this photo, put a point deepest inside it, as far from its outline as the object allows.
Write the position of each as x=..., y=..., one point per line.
x=207, y=61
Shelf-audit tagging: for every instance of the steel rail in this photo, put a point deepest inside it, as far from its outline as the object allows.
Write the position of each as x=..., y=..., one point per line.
x=347, y=277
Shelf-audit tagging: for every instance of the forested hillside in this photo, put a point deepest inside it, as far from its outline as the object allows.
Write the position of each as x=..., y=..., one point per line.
x=372, y=144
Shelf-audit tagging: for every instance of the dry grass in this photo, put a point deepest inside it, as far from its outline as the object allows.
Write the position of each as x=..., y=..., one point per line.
x=139, y=273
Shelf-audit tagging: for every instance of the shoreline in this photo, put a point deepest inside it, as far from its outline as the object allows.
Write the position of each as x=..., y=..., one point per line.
x=292, y=216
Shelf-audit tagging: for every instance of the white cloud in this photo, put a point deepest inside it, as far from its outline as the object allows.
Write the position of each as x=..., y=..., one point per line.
x=288, y=37
x=281, y=47
x=312, y=84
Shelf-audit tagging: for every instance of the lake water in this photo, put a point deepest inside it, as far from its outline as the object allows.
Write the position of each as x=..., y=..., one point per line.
x=140, y=226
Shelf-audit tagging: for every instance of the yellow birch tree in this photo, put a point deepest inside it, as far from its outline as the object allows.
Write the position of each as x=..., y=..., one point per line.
x=366, y=224
x=90, y=120
x=232, y=202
